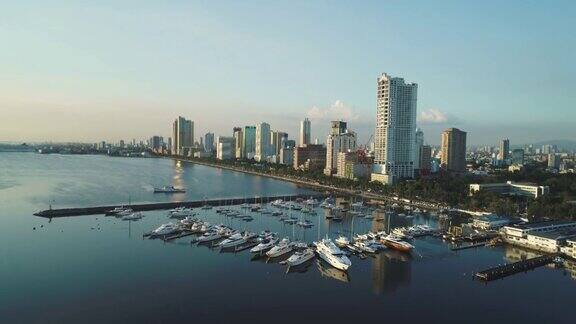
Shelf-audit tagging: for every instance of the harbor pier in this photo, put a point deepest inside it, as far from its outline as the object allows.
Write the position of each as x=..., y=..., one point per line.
x=516, y=267
x=96, y=210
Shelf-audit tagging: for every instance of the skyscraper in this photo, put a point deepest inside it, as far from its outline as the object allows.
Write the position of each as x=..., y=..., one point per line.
x=209, y=142
x=182, y=135
x=238, y=142
x=305, y=132
x=453, y=156
x=340, y=140
x=504, y=153
x=224, y=148
x=249, y=139
x=395, y=124
x=262, y=141
x=418, y=148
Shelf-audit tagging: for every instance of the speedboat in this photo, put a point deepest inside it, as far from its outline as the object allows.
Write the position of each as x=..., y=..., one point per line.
x=133, y=216
x=330, y=253
x=169, y=189
x=282, y=248
x=300, y=257
x=264, y=246
x=342, y=241
x=165, y=229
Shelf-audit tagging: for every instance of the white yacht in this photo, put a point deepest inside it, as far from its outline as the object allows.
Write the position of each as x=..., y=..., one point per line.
x=212, y=235
x=169, y=189
x=365, y=246
x=165, y=229
x=125, y=212
x=282, y=248
x=330, y=253
x=342, y=241
x=188, y=221
x=133, y=216
x=236, y=239
x=300, y=257
x=181, y=212
x=117, y=210
x=264, y=246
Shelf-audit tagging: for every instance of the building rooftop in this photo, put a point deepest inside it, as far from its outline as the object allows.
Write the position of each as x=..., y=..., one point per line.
x=541, y=224
x=557, y=235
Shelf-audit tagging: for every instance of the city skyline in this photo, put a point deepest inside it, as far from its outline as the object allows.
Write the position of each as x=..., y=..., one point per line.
x=118, y=84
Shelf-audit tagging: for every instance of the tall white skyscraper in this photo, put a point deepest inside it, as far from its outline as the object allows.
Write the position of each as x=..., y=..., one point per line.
x=305, y=132
x=182, y=135
x=395, y=124
x=417, y=147
x=262, y=142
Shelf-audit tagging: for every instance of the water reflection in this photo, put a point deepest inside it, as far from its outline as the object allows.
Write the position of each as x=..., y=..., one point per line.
x=330, y=272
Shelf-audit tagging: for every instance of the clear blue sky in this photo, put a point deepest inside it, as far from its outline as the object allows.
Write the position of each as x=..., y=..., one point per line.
x=80, y=70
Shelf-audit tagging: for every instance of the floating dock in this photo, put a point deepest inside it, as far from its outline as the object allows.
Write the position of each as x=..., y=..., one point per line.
x=468, y=246
x=516, y=267
x=66, y=212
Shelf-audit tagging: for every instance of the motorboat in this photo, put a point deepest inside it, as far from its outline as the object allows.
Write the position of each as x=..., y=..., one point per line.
x=117, y=210
x=165, y=229
x=169, y=189
x=125, y=212
x=213, y=234
x=394, y=242
x=181, y=212
x=280, y=249
x=365, y=246
x=236, y=239
x=305, y=223
x=264, y=246
x=188, y=221
x=342, y=241
x=199, y=227
x=330, y=253
x=133, y=216
x=300, y=257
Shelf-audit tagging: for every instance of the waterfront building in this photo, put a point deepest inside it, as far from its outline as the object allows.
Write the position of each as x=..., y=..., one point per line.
x=570, y=248
x=249, y=141
x=548, y=236
x=511, y=188
x=182, y=135
x=453, y=158
x=553, y=161
x=262, y=142
x=225, y=147
x=339, y=140
x=309, y=157
x=305, y=132
x=395, y=124
x=209, y=142
x=238, y=142
x=504, y=152
x=490, y=222
x=518, y=156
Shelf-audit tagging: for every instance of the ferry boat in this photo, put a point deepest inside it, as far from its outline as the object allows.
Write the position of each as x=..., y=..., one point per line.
x=169, y=189
x=330, y=253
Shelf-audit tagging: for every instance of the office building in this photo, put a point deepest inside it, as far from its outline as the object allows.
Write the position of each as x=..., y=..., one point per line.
x=238, y=142
x=182, y=136
x=453, y=158
x=504, y=151
x=305, y=132
x=395, y=125
x=262, y=142
x=249, y=141
x=511, y=188
x=340, y=140
x=209, y=142
x=225, y=147
x=309, y=157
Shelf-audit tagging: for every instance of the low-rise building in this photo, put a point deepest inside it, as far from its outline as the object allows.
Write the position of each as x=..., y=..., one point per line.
x=548, y=236
x=490, y=222
x=511, y=188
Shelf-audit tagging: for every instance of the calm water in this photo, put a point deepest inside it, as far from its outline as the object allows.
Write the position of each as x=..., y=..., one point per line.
x=99, y=269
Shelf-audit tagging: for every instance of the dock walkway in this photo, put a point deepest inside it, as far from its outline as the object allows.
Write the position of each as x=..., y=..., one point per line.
x=516, y=267
x=66, y=212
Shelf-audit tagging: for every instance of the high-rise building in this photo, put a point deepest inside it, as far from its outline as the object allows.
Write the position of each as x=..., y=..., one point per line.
x=182, y=135
x=249, y=141
x=262, y=142
x=224, y=147
x=238, y=142
x=310, y=157
x=339, y=140
x=425, y=160
x=419, y=138
x=287, y=152
x=395, y=124
x=277, y=140
x=209, y=142
x=504, y=152
x=156, y=142
x=518, y=156
x=553, y=161
x=453, y=156
x=305, y=132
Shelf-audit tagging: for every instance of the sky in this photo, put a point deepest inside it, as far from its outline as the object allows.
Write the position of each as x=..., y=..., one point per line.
x=109, y=70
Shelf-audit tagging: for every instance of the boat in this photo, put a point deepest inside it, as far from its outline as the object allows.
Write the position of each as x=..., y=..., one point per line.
x=236, y=239
x=188, y=221
x=300, y=257
x=213, y=234
x=305, y=223
x=165, y=229
x=394, y=242
x=169, y=189
x=342, y=241
x=365, y=246
x=207, y=207
x=133, y=216
x=125, y=212
x=280, y=249
x=181, y=213
x=277, y=213
x=118, y=210
x=330, y=253
x=264, y=246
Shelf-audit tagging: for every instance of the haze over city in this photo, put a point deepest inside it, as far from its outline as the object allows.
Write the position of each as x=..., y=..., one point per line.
x=108, y=71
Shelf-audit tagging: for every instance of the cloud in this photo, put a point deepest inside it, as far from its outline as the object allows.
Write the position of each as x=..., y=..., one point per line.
x=433, y=116
x=336, y=111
